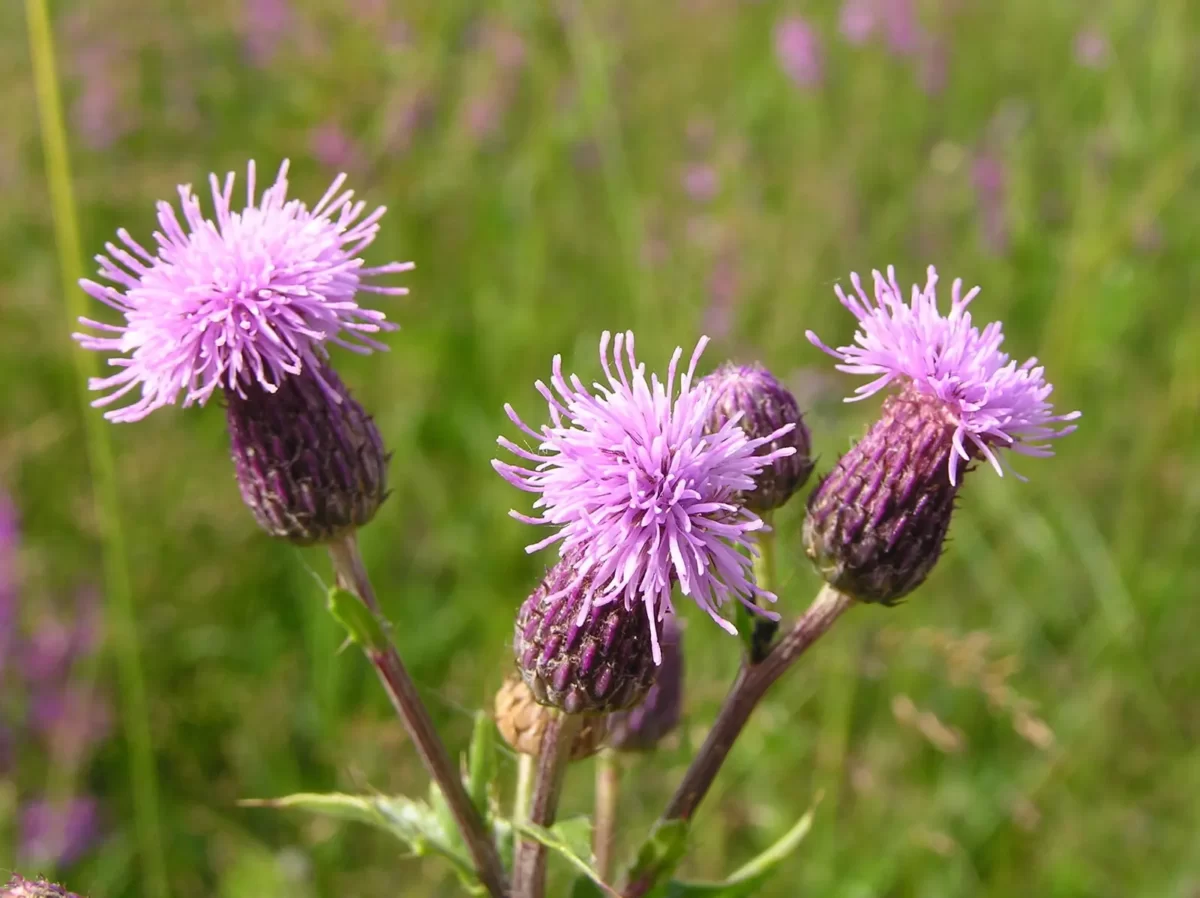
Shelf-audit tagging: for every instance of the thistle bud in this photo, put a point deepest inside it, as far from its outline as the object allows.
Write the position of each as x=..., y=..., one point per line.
x=642, y=727
x=765, y=406
x=309, y=460
x=522, y=722
x=601, y=664
x=876, y=524
x=19, y=887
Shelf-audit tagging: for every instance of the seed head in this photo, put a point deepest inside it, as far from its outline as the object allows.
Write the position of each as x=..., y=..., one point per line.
x=522, y=722
x=309, y=460
x=751, y=397
x=577, y=656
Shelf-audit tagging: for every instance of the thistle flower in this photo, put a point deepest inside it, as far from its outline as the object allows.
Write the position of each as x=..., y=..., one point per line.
x=642, y=727
x=245, y=301
x=581, y=659
x=309, y=460
x=639, y=491
x=751, y=397
x=522, y=722
x=20, y=887
x=876, y=525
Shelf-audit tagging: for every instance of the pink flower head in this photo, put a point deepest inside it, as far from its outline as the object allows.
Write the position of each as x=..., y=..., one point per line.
x=252, y=297
x=993, y=402
x=631, y=481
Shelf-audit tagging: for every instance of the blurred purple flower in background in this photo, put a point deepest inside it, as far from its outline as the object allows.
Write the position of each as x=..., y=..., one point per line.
x=700, y=181
x=9, y=543
x=333, y=147
x=799, y=51
x=58, y=833
x=723, y=292
x=1092, y=50
x=990, y=181
x=901, y=28
x=45, y=709
x=857, y=20
x=97, y=113
x=265, y=26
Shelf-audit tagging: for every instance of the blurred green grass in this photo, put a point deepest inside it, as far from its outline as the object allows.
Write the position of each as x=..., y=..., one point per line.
x=543, y=202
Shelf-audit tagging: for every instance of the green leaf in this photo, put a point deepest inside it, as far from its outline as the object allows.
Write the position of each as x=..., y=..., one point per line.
x=360, y=622
x=413, y=822
x=750, y=878
x=482, y=763
x=661, y=853
x=571, y=839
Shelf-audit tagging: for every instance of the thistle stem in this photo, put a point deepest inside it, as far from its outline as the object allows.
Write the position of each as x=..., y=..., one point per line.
x=608, y=797
x=751, y=685
x=529, y=864
x=352, y=575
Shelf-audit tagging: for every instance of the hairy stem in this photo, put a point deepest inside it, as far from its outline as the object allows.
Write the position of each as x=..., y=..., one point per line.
x=751, y=685
x=529, y=864
x=608, y=796
x=352, y=575
x=121, y=616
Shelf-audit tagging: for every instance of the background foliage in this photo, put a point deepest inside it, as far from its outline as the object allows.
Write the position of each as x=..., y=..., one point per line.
x=1025, y=724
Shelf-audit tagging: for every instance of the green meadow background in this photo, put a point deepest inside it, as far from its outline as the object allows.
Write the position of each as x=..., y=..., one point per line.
x=1025, y=724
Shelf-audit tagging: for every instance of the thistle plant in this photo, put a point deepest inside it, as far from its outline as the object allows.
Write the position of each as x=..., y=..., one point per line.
x=655, y=489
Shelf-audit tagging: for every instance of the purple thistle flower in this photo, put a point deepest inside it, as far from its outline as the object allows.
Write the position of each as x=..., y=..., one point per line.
x=250, y=298
x=990, y=400
x=20, y=887
x=799, y=51
x=639, y=491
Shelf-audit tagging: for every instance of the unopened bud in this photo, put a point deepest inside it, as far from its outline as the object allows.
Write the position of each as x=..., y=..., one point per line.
x=642, y=727
x=309, y=460
x=876, y=525
x=765, y=406
x=597, y=665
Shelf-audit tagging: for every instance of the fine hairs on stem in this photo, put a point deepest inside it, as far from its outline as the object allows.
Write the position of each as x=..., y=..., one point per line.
x=529, y=864
x=751, y=685
x=352, y=575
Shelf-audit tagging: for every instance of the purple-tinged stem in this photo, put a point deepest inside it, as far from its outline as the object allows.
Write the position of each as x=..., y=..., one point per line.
x=352, y=575
x=752, y=683
x=529, y=865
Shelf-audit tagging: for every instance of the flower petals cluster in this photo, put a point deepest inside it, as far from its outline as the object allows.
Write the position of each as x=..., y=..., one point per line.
x=249, y=296
x=637, y=491
x=992, y=401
